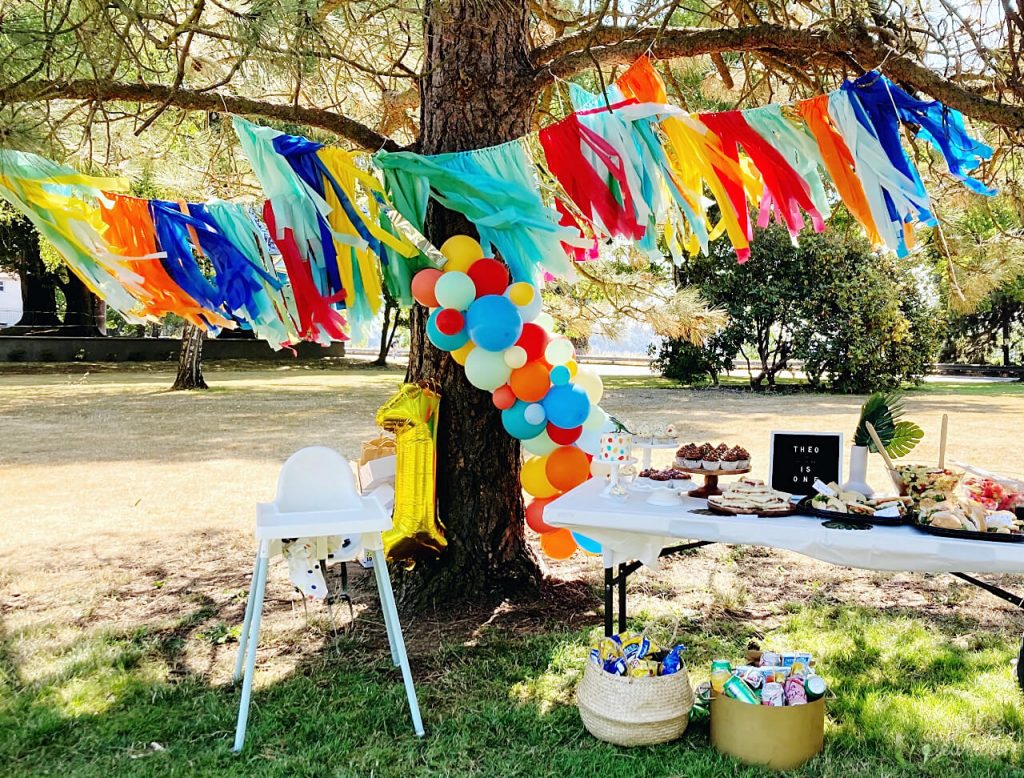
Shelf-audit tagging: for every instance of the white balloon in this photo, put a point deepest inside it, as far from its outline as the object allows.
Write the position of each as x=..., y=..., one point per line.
x=559, y=351
x=534, y=413
x=531, y=310
x=589, y=441
x=487, y=369
x=545, y=321
x=515, y=356
x=590, y=382
x=540, y=445
x=596, y=420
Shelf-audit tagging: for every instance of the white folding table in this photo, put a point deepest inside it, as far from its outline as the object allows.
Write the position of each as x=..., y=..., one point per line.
x=633, y=532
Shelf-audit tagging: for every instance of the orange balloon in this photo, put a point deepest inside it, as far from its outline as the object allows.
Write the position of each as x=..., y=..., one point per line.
x=534, y=478
x=567, y=467
x=558, y=544
x=535, y=515
x=531, y=381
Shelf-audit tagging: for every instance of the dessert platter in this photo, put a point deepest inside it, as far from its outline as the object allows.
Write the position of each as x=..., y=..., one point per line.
x=712, y=462
x=751, y=496
x=650, y=479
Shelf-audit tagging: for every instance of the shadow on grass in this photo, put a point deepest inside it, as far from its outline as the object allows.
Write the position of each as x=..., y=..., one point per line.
x=497, y=700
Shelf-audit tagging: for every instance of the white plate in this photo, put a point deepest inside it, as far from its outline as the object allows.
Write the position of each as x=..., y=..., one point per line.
x=664, y=497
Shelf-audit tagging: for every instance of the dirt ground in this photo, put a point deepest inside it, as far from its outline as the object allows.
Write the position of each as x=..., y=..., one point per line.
x=125, y=505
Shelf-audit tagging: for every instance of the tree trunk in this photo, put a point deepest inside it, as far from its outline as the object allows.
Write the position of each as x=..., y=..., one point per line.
x=1006, y=323
x=80, y=314
x=190, y=360
x=476, y=93
x=387, y=331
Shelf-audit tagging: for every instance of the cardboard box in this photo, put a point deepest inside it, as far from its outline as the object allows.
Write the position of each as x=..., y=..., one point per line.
x=780, y=738
x=377, y=472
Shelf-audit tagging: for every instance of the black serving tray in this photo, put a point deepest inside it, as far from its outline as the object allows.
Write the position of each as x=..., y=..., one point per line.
x=805, y=507
x=966, y=534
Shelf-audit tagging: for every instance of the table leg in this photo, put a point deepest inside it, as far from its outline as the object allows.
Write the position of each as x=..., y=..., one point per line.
x=622, y=597
x=609, y=602
x=1020, y=665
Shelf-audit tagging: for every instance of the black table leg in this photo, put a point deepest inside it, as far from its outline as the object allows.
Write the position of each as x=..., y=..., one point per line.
x=609, y=601
x=1020, y=666
x=622, y=597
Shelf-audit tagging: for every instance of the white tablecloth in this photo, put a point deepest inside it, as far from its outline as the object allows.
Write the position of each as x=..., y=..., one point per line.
x=632, y=528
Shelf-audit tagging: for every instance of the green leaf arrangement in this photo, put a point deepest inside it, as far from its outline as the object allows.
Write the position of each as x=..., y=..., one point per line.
x=884, y=411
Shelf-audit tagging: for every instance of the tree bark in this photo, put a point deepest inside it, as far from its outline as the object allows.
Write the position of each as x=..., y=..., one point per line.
x=19, y=252
x=190, y=360
x=80, y=314
x=476, y=92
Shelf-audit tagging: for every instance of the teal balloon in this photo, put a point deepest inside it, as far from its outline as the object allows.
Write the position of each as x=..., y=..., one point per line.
x=493, y=322
x=566, y=406
x=442, y=341
x=587, y=544
x=515, y=423
x=560, y=375
x=487, y=369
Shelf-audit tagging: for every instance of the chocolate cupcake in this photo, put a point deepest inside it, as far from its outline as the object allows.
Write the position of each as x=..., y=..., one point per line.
x=711, y=460
x=730, y=460
x=690, y=456
x=742, y=458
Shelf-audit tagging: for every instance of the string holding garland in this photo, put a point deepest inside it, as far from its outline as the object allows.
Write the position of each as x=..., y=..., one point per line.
x=624, y=165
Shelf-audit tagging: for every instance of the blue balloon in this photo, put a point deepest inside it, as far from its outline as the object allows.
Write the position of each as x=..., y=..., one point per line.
x=493, y=322
x=560, y=375
x=515, y=423
x=587, y=544
x=442, y=341
x=567, y=406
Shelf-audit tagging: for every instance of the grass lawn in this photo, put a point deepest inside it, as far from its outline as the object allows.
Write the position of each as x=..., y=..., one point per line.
x=125, y=549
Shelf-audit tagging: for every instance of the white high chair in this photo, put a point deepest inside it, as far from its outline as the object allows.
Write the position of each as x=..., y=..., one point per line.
x=317, y=496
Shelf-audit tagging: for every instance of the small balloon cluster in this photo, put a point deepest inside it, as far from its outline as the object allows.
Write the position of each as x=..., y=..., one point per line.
x=495, y=328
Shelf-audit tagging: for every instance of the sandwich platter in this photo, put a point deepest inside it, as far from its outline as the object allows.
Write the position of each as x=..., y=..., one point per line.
x=749, y=496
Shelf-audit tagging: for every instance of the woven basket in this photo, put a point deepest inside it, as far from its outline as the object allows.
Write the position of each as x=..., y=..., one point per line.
x=634, y=711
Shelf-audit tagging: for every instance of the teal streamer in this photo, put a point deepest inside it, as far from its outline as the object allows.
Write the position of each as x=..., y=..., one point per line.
x=496, y=189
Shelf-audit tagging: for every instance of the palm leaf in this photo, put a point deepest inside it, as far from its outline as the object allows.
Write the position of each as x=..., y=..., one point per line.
x=884, y=410
x=905, y=437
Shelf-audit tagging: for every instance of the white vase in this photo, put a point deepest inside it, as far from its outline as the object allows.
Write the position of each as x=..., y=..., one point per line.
x=857, y=482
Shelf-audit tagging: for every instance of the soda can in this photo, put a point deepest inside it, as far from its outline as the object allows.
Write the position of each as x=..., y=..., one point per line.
x=806, y=659
x=798, y=668
x=703, y=692
x=794, y=691
x=788, y=658
x=770, y=659
x=752, y=676
x=814, y=686
x=773, y=695
x=738, y=690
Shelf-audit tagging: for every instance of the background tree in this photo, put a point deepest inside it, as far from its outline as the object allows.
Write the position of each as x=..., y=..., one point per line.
x=85, y=75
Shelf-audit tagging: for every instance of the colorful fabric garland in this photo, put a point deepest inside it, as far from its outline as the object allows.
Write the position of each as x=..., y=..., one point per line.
x=496, y=189
x=624, y=164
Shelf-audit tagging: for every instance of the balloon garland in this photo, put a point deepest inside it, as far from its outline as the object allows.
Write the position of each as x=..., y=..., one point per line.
x=496, y=330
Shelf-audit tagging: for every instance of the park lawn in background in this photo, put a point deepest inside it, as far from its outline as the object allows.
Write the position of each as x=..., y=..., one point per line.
x=126, y=547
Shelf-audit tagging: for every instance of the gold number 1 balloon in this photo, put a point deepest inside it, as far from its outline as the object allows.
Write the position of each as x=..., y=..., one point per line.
x=416, y=532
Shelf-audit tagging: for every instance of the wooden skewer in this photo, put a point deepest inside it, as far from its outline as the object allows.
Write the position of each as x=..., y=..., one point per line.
x=881, y=449
x=942, y=441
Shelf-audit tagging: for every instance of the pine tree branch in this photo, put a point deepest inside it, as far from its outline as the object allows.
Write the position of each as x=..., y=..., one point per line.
x=851, y=46
x=193, y=100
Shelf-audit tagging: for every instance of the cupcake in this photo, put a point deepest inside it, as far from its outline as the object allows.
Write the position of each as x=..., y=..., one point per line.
x=679, y=475
x=705, y=448
x=711, y=460
x=730, y=460
x=742, y=458
x=660, y=475
x=721, y=448
x=690, y=456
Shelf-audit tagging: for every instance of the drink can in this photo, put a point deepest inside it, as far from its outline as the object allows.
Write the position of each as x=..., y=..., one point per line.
x=798, y=668
x=773, y=695
x=814, y=686
x=770, y=659
x=703, y=692
x=794, y=691
x=752, y=676
x=738, y=690
x=788, y=658
x=806, y=659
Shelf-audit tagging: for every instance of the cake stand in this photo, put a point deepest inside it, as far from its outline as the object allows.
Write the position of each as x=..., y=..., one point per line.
x=647, y=448
x=614, y=489
x=711, y=477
